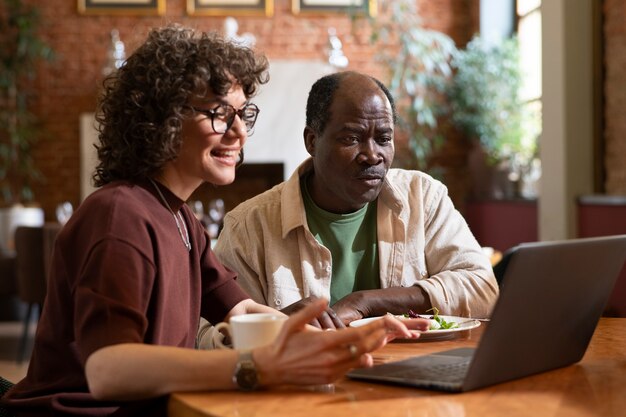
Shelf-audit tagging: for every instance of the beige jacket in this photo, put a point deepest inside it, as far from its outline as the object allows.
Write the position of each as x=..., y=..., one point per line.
x=422, y=240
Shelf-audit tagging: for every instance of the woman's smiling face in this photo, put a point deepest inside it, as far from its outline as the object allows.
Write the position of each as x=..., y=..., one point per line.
x=208, y=155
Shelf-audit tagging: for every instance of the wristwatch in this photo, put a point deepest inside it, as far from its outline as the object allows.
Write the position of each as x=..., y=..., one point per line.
x=246, y=376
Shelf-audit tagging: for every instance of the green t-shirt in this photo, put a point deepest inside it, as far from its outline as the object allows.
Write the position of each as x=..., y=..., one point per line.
x=351, y=239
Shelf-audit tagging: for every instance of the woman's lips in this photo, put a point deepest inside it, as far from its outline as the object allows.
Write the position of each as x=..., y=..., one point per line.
x=228, y=157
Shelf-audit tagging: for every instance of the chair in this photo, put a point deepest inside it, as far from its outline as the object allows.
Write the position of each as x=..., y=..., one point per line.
x=500, y=267
x=30, y=272
x=33, y=254
x=7, y=272
x=5, y=385
x=8, y=287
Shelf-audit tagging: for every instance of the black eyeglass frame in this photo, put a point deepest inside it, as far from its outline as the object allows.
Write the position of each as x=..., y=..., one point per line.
x=212, y=113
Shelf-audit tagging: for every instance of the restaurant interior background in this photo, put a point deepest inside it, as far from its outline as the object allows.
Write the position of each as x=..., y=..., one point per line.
x=586, y=101
x=582, y=145
x=581, y=58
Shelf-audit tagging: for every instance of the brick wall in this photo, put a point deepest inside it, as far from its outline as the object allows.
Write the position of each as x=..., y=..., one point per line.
x=614, y=14
x=69, y=86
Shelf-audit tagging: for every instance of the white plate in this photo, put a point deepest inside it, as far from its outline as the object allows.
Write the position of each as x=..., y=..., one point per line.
x=464, y=324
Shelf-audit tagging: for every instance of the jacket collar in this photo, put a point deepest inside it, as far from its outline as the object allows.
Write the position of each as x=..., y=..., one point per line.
x=294, y=215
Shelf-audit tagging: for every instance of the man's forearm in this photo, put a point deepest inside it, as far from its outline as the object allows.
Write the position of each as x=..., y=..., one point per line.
x=370, y=303
x=397, y=300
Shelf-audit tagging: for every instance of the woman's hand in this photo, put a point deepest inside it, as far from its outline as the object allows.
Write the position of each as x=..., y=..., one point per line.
x=314, y=357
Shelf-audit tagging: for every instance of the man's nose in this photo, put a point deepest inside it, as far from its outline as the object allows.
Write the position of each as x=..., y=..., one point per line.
x=369, y=153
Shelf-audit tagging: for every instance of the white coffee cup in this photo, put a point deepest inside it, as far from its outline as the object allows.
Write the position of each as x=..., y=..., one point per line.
x=249, y=331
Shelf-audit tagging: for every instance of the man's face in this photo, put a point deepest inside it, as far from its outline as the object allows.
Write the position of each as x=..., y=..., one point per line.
x=353, y=153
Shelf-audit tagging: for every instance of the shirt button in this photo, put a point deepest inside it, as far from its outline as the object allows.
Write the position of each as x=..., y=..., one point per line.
x=328, y=269
x=277, y=302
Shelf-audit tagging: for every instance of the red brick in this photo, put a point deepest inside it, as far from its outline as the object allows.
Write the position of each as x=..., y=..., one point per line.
x=69, y=86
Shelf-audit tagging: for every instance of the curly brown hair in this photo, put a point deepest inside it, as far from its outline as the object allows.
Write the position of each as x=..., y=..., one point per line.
x=143, y=104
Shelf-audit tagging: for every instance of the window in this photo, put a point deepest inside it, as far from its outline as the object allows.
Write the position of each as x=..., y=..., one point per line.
x=529, y=36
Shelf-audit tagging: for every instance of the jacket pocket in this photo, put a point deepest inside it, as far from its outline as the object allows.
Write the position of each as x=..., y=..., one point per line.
x=284, y=290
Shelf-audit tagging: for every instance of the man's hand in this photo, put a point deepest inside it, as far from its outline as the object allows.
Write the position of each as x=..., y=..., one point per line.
x=328, y=319
x=354, y=306
x=370, y=303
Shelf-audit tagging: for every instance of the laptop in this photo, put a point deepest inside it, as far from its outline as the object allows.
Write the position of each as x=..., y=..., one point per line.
x=553, y=297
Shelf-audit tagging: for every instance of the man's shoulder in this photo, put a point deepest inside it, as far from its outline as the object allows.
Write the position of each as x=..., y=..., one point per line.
x=406, y=179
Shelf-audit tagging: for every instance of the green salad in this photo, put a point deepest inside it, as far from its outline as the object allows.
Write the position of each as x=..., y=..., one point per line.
x=436, y=321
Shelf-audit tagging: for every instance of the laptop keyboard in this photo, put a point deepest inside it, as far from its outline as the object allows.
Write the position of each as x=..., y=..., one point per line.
x=445, y=372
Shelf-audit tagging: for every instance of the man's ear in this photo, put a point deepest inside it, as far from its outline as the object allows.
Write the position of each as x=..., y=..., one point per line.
x=309, y=140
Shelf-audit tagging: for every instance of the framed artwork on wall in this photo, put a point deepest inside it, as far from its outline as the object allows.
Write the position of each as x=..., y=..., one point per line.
x=367, y=7
x=122, y=7
x=230, y=7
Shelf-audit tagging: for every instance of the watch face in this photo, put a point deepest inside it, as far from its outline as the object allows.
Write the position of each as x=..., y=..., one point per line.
x=246, y=376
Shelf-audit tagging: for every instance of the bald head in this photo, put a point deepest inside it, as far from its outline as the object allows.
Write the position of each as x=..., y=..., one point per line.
x=346, y=84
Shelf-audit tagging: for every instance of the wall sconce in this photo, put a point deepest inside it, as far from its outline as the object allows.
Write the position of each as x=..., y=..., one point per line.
x=336, y=58
x=116, y=55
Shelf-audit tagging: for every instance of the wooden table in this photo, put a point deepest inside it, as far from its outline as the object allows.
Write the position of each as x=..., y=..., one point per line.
x=596, y=386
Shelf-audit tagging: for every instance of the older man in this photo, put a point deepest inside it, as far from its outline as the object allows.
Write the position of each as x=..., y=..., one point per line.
x=348, y=228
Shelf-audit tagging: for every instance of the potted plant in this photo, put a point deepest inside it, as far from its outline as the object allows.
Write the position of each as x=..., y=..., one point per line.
x=419, y=64
x=21, y=51
x=485, y=103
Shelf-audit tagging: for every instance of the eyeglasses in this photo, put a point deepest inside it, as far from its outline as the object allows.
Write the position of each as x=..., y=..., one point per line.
x=223, y=116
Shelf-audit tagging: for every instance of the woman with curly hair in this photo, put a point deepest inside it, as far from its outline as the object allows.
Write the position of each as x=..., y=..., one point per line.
x=133, y=271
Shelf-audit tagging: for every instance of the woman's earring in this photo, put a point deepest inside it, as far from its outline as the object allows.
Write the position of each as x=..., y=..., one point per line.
x=240, y=161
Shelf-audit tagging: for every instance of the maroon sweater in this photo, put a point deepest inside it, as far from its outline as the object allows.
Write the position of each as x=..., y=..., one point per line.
x=120, y=274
